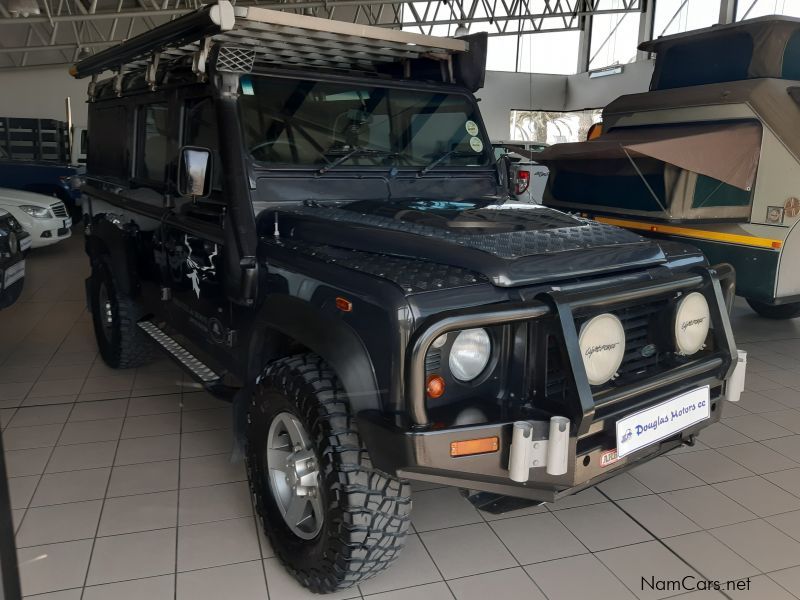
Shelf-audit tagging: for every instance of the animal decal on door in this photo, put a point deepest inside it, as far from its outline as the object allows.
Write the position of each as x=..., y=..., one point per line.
x=198, y=272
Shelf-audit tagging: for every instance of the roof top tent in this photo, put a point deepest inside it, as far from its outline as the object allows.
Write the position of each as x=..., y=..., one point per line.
x=237, y=39
x=709, y=155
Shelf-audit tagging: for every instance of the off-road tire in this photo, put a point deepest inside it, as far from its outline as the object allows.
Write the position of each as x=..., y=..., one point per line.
x=366, y=511
x=790, y=310
x=128, y=346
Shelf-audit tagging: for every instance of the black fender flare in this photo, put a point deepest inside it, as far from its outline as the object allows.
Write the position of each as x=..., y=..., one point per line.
x=332, y=339
x=108, y=239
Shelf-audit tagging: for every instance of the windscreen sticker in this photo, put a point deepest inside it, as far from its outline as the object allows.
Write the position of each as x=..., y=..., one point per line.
x=476, y=144
x=471, y=127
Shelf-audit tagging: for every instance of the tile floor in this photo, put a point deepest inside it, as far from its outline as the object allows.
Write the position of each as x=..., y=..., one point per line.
x=123, y=487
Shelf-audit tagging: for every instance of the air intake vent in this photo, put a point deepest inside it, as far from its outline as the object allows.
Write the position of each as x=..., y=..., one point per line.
x=59, y=210
x=433, y=360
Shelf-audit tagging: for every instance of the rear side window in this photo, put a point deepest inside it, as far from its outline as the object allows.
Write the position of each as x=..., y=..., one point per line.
x=154, y=137
x=791, y=58
x=107, y=149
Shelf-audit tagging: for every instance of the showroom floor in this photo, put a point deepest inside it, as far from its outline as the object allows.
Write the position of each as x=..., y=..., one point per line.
x=123, y=487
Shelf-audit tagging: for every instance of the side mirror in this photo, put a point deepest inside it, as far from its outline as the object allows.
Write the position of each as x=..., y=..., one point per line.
x=194, y=172
x=504, y=174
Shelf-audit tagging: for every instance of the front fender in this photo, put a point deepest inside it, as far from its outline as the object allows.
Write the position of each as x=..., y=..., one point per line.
x=109, y=239
x=337, y=343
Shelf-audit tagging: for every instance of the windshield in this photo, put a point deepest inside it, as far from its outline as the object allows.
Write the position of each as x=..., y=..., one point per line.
x=317, y=123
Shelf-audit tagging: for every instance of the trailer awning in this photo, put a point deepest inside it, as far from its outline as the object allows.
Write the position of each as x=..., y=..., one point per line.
x=727, y=152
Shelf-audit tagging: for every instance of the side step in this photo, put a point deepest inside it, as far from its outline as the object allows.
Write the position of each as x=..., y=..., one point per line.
x=197, y=367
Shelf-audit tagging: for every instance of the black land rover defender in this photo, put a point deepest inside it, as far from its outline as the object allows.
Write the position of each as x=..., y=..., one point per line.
x=308, y=216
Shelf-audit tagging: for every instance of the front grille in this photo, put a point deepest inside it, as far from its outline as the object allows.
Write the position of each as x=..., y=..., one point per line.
x=638, y=322
x=59, y=210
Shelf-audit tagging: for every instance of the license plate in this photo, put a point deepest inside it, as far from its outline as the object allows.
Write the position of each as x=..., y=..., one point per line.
x=68, y=223
x=25, y=243
x=653, y=424
x=14, y=273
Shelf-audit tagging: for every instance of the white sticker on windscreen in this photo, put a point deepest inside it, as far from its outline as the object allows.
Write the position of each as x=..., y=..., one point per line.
x=471, y=127
x=476, y=144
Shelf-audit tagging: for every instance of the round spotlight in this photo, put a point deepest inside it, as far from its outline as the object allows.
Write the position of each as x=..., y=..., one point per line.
x=692, y=322
x=602, y=344
x=470, y=354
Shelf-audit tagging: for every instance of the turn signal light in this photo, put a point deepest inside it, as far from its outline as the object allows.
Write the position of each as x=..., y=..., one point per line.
x=343, y=304
x=435, y=386
x=478, y=446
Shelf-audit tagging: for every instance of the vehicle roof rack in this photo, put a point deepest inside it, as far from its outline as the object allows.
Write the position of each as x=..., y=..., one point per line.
x=246, y=37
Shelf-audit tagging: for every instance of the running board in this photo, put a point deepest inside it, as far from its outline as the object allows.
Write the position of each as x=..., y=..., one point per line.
x=196, y=366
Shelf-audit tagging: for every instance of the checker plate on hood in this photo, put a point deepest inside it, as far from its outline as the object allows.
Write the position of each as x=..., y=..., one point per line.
x=561, y=234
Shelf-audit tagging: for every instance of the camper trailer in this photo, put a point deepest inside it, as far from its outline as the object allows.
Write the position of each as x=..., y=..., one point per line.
x=708, y=156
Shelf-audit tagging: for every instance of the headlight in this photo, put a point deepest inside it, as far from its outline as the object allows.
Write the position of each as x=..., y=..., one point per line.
x=602, y=344
x=470, y=354
x=76, y=182
x=692, y=321
x=36, y=212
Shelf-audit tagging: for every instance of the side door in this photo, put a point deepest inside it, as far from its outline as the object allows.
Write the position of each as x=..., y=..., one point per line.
x=193, y=239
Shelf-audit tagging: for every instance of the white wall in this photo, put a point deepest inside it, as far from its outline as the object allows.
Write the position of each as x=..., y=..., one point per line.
x=503, y=92
x=583, y=92
x=40, y=93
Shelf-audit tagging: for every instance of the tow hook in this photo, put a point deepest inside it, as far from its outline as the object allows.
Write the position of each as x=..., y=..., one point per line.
x=533, y=446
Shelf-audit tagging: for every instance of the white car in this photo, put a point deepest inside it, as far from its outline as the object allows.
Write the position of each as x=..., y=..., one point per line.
x=44, y=217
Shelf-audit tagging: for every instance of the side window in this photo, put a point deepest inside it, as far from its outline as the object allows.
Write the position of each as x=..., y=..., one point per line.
x=791, y=58
x=107, y=148
x=200, y=129
x=153, y=139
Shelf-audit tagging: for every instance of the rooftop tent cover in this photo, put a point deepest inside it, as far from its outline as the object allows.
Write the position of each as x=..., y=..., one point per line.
x=727, y=152
x=755, y=48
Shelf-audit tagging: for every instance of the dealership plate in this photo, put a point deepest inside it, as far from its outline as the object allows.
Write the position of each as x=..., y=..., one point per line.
x=653, y=424
x=25, y=243
x=67, y=222
x=14, y=273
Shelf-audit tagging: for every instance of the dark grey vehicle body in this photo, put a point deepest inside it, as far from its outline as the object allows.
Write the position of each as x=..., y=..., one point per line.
x=366, y=266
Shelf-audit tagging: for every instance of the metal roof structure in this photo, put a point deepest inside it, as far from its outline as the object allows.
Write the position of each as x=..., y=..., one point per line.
x=55, y=32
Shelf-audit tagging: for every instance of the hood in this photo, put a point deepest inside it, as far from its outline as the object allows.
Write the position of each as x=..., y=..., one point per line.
x=14, y=197
x=510, y=243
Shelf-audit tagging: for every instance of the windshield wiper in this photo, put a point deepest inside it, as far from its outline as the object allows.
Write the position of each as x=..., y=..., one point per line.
x=438, y=160
x=358, y=150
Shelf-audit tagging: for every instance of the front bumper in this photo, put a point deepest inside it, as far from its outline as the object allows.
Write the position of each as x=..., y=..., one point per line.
x=423, y=452
x=45, y=232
